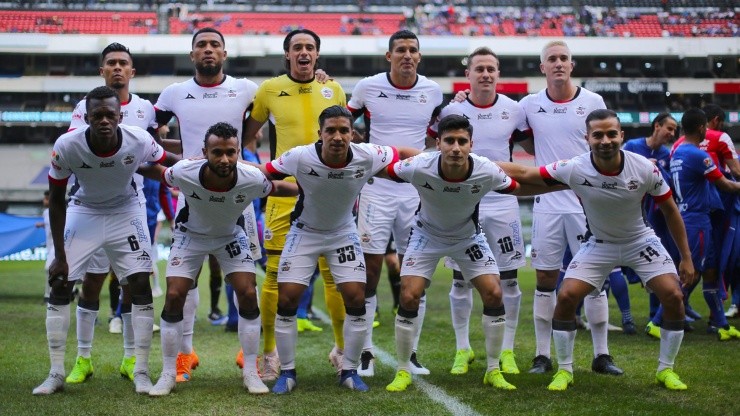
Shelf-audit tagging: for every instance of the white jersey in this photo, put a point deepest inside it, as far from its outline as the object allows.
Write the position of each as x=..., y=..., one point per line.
x=493, y=126
x=395, y=116
x=211, y=212
x=198, y=107
x=559, y=130
x=612, y=203
x=449, y=209
x=103, y=184
x=136, y=112
x=328, y=193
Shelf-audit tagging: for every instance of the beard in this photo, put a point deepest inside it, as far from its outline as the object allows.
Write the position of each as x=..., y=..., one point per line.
x=219, y=172
x=208, y=70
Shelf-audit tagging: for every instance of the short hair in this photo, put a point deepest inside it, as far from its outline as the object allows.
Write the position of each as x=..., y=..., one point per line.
x=100, y=93
x=289, y=37
x=208, y=30
x=661, y=118
x=549, y=45
x=115, y=47
x=454, y=122
x=46, y=192
x=334, y=112
x=712, y=111
x=483, y=50
x=221, y=129
x=601, y=114
x=692, y=121
x=401, y=34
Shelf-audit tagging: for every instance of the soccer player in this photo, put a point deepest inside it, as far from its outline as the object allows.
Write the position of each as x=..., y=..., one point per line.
x=292, y=104
x=330, y=174
x=104, y=211
x=611, y=184
x=694, y=172
x=496, y=121
x=555, y=116
x=398, y=107
x=210, y=95
x=117, y=69
x=217, y=190
x=451, y=183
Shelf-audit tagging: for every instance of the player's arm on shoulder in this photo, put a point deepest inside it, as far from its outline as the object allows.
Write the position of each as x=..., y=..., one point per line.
x=678, y=231
x=251, y=127
x=152, y=171
x=284, y=188
x=524, y=139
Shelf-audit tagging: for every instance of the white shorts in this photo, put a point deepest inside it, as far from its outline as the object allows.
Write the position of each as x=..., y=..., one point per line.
x=99, y=264
x=378, y=218
x=473, y=256
x=550, y=232
x=595, y=260
x=189, y=250
x=303, y=247
x=124, y=237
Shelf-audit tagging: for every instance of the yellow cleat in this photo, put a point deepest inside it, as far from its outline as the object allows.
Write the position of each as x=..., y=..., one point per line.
x=561, y=381
x=670, y=380
x=508, y=362
x=652, y=330
x=82, y=370
x=305, y=324
x=496, y=379
x=127, y=367
x=401, y=382
x=463, y=358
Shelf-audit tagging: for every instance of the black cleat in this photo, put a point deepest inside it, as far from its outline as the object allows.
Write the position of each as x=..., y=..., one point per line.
x=541, y=365
x=629, y=328
x=604, y=364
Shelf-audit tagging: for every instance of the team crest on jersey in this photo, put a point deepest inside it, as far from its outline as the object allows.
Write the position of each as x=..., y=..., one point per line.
x=422, y=98
x=128, y=159
x=327, y=93
x=139, y=114
x=632, y=184
x=359, y=173
x=581, y=110
x=231, y=94
x=285, y=266
x=504, y=115
x=365, y=237
x=534, y=253
x=573, y=265
x=267, y=234
x=238, y=199
x=175, y=261
x=55, y=155
x=708, y=162
x=659, y=184
x=475, y=188
x=410, y=261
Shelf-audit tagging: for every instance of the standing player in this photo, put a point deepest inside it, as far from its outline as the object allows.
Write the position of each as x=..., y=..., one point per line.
x=117, y=70
x=217, y=190
x=555, y=115
x=611, y=185
x=496, y=119
x=292, y=104
x=197, y=103
x=398, y=106
x=330, y=174
x=106, y=212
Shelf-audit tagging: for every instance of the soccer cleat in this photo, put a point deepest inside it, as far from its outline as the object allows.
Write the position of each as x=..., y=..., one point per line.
x=194, y=359
x=305, y=324
x=336, y=358
x=155, y=328
x=652, y=330
x=115, y=325
x=253, y=383
x=629, y=328
x=240, y=359
x=496, y=379
x=723, y=334
x=367, y=364
x=270, y=368
x=732, y=312
x=401, y=382
x=376, y=322
x=604, y=364
x=691, y=313
x=416, y=367
x=541, y=365
x=127, y=367
x=508, y=362
x=184, y=367
x=82, y=370
x=463, y=358
x=164, y=386
x=53, y=383
x=285, y=383
x=670, y=380
x=217, y=319
x=142, y=382
x=561, y=380
x=351, y=380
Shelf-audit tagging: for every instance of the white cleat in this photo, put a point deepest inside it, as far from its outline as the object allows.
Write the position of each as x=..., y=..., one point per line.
x=367, y=365
x=253, y=383
x=164, y=386
x=416, y=367
x=115, y=326
x=270, y=366
x=732, y=312
x=336, y=358
x=52, y=384
x=142, y=382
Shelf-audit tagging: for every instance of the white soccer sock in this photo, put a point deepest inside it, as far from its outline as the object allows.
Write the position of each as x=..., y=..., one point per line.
x=406, y=329
x=142, y=317
x=371, y=304
x=543, y=308
x=128, y=335
x=564, y=342
x=493, y=328
x=420, y=321
x=355, y=331
x=286, y=334
x=670, y=342
x=512, y=298
x=249, y=338
x=461, y=303
x=57, y=326
x=85, y=330
x=155, y=269
x=171, y=338
x=597, y=313
x=188, y=322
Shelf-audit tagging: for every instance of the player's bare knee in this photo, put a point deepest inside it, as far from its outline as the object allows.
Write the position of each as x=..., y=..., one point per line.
x=568, y=300
x=547, y=278
x=491, y=296
x=410, y=300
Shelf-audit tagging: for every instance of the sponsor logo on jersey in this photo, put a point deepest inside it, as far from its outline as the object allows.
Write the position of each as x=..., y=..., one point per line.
x=175, y=261
x=586, y=183
x=659, y=184
x=360, y=267
x=312, y=173
x=403, y=97
x=466, y=117
x=217, y=199
x=573, y=265
x=240, y=198
x=210, y=95
x=305, y=90
x=382, y=95
x=143, y=256
x=194, y=195
x=124, y=114
x=541, y=110
x=283, y=94
x=285, y=266
x=231, y=94
x=560, y=110
x=359, y=173
x=190, y=97
x=487, y=116
x=455, y=189
x=327, y=93
x=426, y=185
x=336, y=175
x=142, y=235
x=605, y=185
x=108, y=164
x=516, y=256
x=410, y=261
x=667, y=261
x=129, y=159
x=84, y=165
x=580, y=110
x=490, y=261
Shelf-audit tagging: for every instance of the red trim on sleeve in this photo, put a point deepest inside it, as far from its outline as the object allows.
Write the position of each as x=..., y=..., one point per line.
x=164, y=181
x=713, y=175
x=58, y=182
x=431, y=133
x=352, y=110
x=271, y=169
x=509, y=189
x=392, y=172
x=664, y=197
x=544, y=173
x=396, y=156
x=161, y=159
